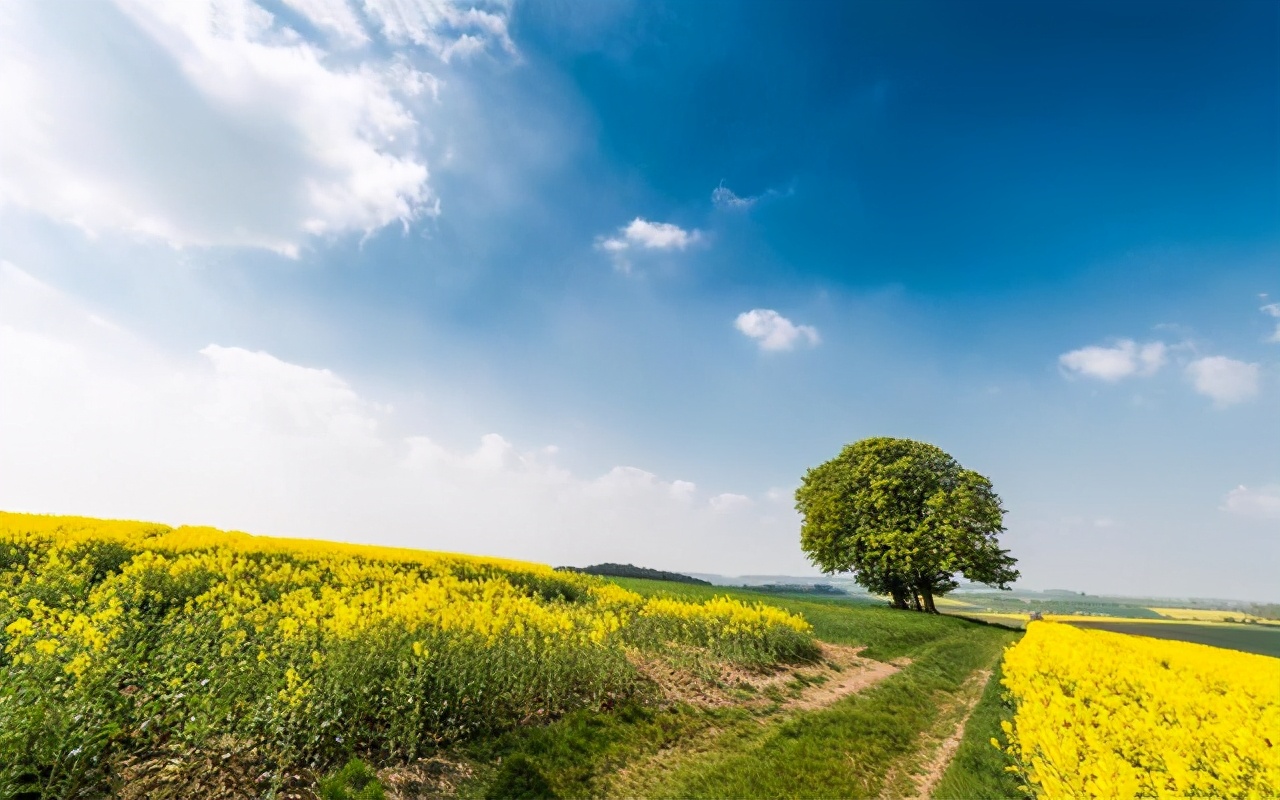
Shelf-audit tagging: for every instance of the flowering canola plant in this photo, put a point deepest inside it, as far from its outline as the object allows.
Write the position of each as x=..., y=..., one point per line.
x=1102, y=714
x=117, y=636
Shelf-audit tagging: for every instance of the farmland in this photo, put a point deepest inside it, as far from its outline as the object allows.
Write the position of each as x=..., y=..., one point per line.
x=127, y=645
x=1101, y=714
x=140, y=658
x=145, y=660
x=1263, y=640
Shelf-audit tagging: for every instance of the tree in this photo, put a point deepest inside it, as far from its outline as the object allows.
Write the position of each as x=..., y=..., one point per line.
x=905, y=518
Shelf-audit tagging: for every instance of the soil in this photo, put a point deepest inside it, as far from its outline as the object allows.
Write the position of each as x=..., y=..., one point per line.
x=839, y=671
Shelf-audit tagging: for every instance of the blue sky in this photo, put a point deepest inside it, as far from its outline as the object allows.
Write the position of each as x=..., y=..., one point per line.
x=584, y=282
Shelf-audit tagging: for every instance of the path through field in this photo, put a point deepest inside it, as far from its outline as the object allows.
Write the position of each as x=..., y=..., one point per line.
x=928, y=770
x=882, y=715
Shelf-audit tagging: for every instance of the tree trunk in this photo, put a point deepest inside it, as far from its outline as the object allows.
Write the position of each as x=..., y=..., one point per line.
x=899, y=601
x=915, y=600
x=928, y=600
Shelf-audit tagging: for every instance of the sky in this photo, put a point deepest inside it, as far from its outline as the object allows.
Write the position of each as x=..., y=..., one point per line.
x=584, y=282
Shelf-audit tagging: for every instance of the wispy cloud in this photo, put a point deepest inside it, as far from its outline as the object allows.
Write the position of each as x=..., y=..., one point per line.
x=774, y=332
x=1259, y=503
x=1126, y=358
x=1224, y=380
x=726, y=199
x=641, y=234
x=1273, y=310
x=723, y=197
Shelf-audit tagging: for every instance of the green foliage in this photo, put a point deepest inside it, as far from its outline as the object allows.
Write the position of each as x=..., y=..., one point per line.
x=904, y=517
x=610, y=570
x=520, y=779
x=355, y=781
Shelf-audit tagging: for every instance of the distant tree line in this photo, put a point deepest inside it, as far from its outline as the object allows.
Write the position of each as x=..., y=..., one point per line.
x=1265, y=610
x=799, y=588
x=632, y=571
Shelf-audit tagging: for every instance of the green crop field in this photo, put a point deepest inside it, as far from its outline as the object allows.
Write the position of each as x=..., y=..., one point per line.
x=1263, y=640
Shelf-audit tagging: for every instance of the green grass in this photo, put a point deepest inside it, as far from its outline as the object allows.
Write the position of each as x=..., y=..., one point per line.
x=578, y=755
x=887, y=633
x=977, y=770
x=851, y=748
x=854, y=748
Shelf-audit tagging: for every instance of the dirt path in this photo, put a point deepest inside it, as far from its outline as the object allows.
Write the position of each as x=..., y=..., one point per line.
x=844, y=672
x=840, y=671
x=925, y=776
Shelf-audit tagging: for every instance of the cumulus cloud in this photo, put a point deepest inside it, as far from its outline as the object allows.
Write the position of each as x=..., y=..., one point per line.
x=213, y=122
x=1259, y=503
x=774, y=332
x=1224, y=380
x=1126, y=358
x=641, y=234
x=96, y=420
x=1273, y=310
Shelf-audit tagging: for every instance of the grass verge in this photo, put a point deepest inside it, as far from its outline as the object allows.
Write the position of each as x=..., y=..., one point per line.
x=850, y=749
x=846, y=750
x=977, y=771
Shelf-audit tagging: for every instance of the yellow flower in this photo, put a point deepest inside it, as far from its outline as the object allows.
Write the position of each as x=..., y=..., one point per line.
x=19, y=627
x=1107, y=715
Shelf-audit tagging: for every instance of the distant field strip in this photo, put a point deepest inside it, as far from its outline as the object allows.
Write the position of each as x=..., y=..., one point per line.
x=1212, y=615
x=1101, y=714
x=1264, y=641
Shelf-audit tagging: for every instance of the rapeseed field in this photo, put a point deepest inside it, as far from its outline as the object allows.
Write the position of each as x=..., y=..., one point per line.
x=1102, y=714
x=119, y=639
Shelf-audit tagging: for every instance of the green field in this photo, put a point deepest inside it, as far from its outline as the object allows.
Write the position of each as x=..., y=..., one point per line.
x=873, y=743
x=1246, y=638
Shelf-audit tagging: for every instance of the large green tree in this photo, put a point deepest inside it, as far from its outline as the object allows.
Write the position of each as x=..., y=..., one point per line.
x=905, y=518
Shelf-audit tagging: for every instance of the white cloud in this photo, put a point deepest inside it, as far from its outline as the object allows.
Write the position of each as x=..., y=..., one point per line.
x=1260, y=503
x=723, y=197
x=445, y=27
x=212, y=122
x=774, y=332
x=659, y=235
x=97, y=421
x=729, y=502
x=334, y=17
x=1273, y=310
x=1124, y=359
x=641, y=234
x=1224, y=380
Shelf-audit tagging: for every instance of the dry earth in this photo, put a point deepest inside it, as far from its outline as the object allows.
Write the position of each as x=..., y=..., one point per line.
x=839, y=671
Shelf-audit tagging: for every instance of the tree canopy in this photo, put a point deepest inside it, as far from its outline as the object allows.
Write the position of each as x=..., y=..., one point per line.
x=905, y=518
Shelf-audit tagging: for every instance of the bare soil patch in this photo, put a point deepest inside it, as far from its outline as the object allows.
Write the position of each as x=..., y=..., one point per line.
x=839, y=671
x=229, y=770
x=427, y=778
